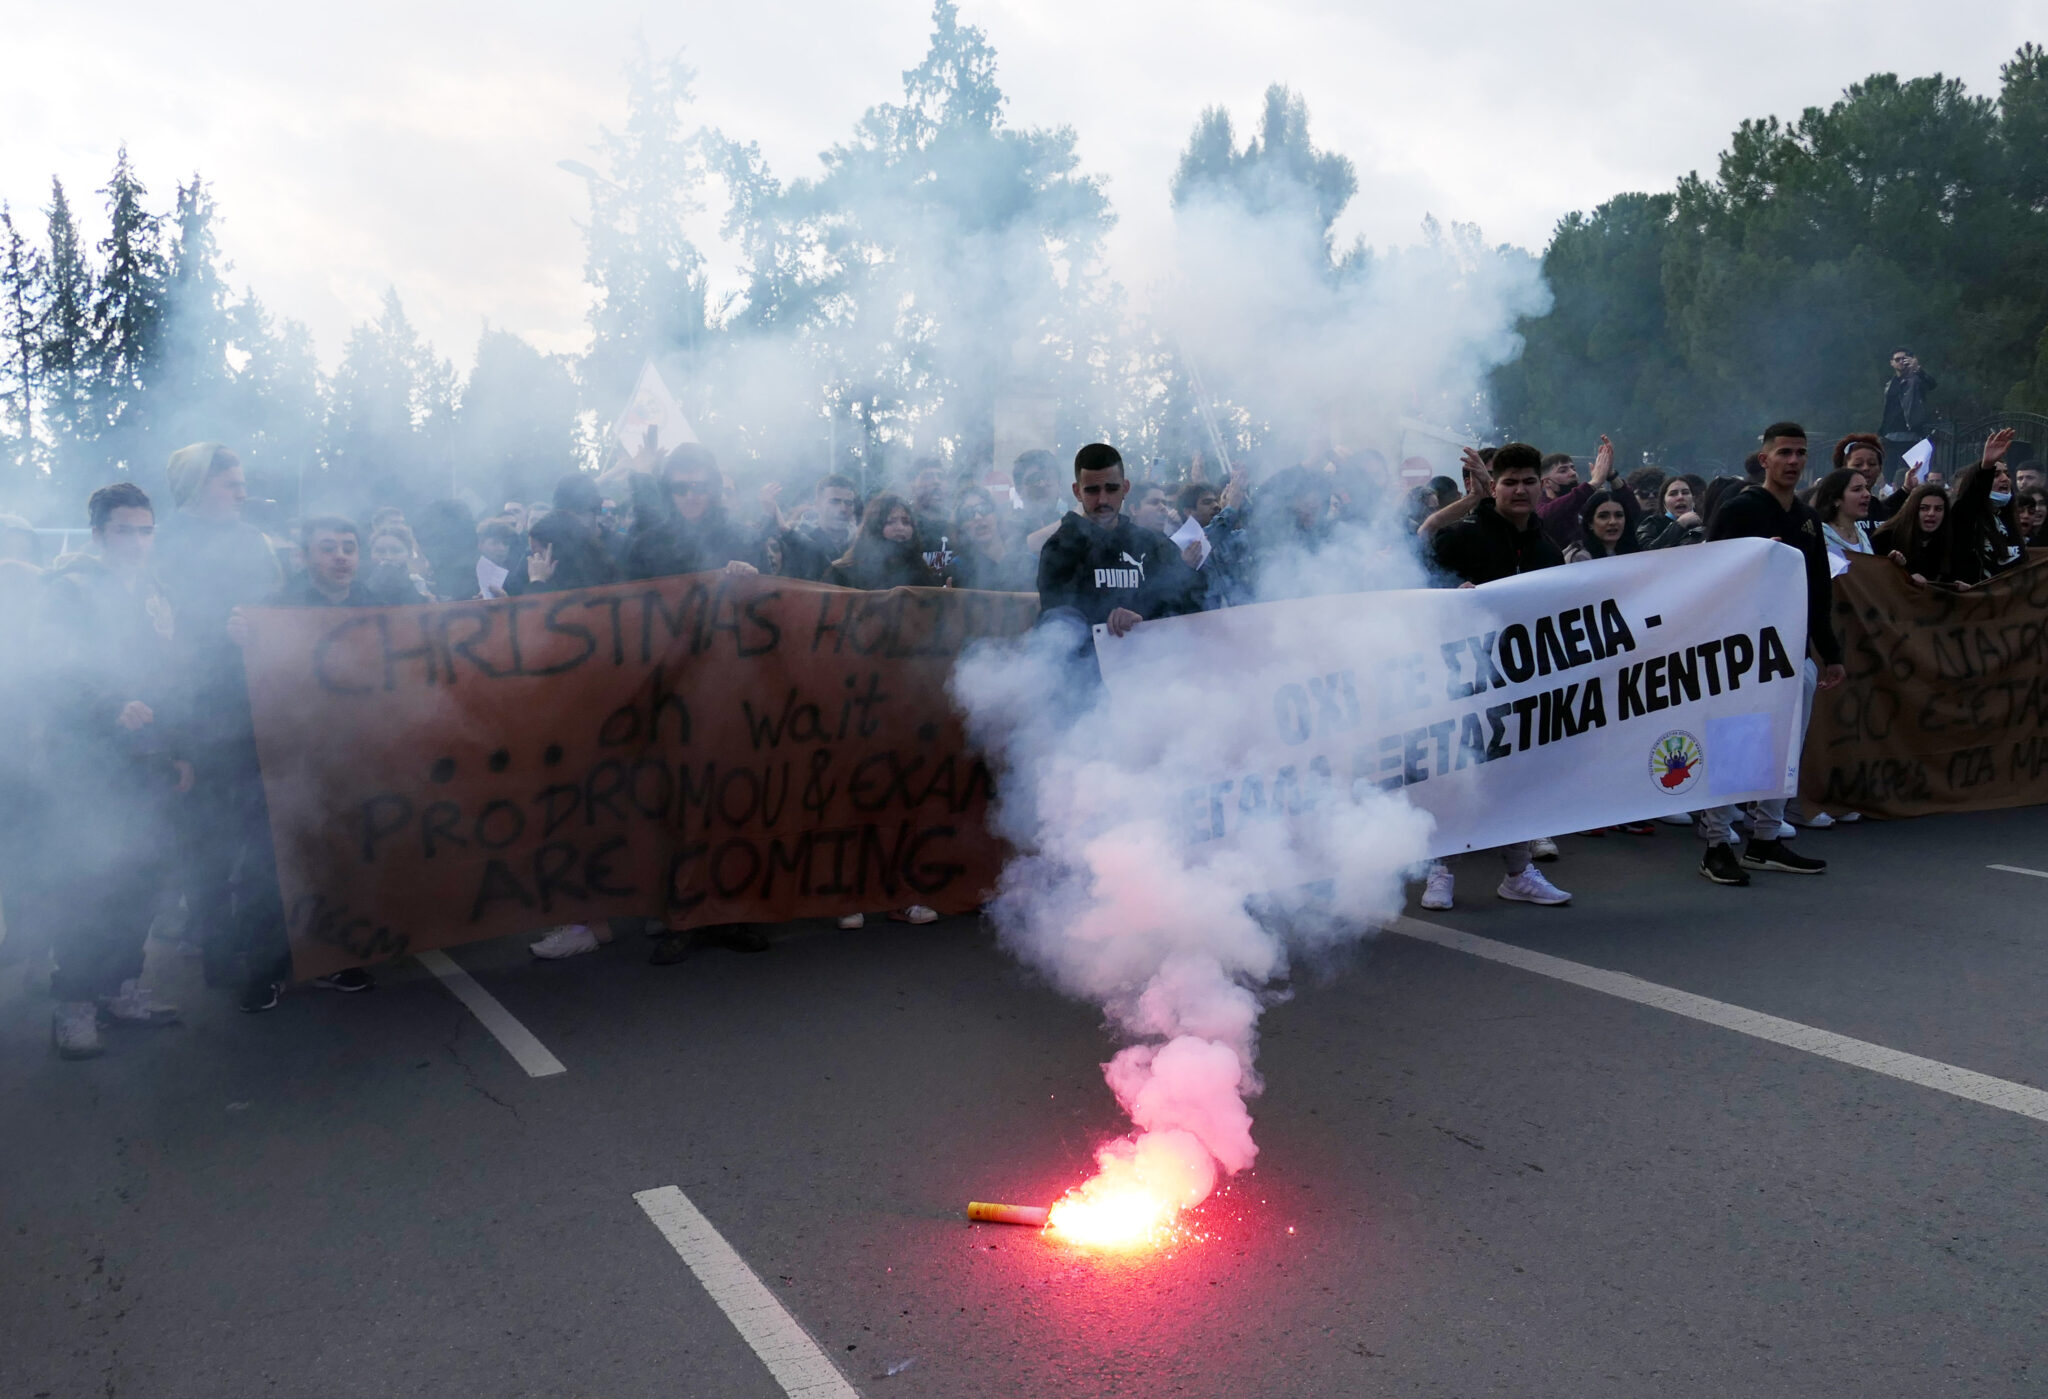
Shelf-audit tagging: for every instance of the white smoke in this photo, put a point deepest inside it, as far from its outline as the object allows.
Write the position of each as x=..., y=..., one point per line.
x=1115, y=894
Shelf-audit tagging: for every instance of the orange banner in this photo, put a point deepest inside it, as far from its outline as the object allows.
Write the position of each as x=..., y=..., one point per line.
x=1946, y=705
x=706, y=749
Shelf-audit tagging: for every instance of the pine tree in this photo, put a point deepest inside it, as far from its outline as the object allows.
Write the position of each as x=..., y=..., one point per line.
x=66, y=346
x=649, y=276
x=127, y=315
x=277, y=400
x=515, y=430
x=22, y=293
x=193, y=338
x=391, y=414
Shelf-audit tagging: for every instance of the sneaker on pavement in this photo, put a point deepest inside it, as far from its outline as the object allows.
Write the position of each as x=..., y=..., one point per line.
x=75, y=1030
x=1720, y=865
x=1543, y=848
x=1846, y=817
x=1773, y=855
x=259, y=996
x=853, y=921
x=1786, y=830
x=134, y=1005
x=1677, y=818
x=571, y=940
x=1436, y=894
x=1819, y=821
x=916, y=913
x=1530, y=887
x=1639, y=828
x=347, y=979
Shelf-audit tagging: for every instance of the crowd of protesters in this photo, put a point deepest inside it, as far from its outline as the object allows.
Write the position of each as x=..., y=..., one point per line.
x=148, y=740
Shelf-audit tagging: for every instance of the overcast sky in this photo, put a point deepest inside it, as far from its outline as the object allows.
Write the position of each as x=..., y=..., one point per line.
x=414, y=145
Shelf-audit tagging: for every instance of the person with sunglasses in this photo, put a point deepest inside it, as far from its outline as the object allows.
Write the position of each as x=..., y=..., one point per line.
x=687, y=529
x=988, y=558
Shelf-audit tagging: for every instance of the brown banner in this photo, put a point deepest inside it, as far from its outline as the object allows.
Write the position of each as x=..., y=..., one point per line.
x=1946, y=706
x=706, y=749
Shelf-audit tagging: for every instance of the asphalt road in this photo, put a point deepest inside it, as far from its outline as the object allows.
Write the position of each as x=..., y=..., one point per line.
x=1472, y=1181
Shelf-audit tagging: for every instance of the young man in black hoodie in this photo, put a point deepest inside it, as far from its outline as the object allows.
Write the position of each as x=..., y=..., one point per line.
x=1100, y=568
x=1772, y=509
x=1498, y=537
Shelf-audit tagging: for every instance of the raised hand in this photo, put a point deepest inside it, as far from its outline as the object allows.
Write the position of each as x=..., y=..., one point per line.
x=1995, y=445
x=1478, y=480
x=1603, y=461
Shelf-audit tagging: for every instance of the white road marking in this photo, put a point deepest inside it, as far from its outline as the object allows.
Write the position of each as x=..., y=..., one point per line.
x=2016, y=869
x=519, y=1042
x=1893, y=1063
x=802, y=1369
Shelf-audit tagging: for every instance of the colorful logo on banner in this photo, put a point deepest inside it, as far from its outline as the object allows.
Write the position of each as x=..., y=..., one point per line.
x=1676, y=762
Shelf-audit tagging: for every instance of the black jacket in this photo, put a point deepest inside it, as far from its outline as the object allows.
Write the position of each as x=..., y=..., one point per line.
x=1984, y=536
x=1096, y=571
x=207, y=569
x=675, y=545
x=1662, y=531
x=1905, y=404
x=1754, y=513
x=808, y=552
x=106, y=643
x=1484, y=547
x=1015, y=572
x=876, y=564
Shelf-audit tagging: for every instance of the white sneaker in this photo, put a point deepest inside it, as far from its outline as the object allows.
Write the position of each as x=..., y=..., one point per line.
x=916, y=913
x=75, y=1030
x=1436, y=894
x=572, y=940
x=853, y=922
x=1846, y=817
x=1530, y=887
x=134, y=1005
x=1679, y=818
x=1786, y=830
x=1819, y=821
x=1543, y=848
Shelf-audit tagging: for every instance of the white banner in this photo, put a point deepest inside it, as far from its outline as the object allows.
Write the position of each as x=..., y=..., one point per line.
x=1575, y=697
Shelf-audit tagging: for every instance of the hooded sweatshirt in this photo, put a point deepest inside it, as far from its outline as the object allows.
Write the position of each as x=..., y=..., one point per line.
x=1096, y=571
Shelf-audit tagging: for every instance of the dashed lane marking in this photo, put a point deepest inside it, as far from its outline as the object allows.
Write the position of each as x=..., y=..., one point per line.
x=796, y=1361
x=2019, y=869
x=1862, y=1054
x=519, y=1042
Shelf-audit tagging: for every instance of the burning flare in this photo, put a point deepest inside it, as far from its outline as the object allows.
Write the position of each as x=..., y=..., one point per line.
x=1140, y=1187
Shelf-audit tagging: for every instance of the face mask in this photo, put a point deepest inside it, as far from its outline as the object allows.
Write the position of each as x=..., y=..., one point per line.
x=2001, y=497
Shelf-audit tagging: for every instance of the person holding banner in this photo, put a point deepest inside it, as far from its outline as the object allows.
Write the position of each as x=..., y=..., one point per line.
x=1499, y=538
x=1772, y=509
x=1100, y=568
x=687, y=529
x=1916, y=538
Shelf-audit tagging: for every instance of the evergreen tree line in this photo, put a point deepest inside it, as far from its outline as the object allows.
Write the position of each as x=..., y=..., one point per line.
x=945, y=268
x=1907, y=214
x=118, y=353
